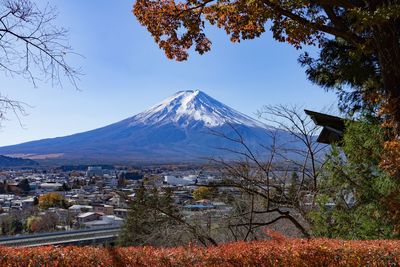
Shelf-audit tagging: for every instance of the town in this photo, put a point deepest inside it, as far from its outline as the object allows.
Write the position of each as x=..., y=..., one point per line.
x=37, y=200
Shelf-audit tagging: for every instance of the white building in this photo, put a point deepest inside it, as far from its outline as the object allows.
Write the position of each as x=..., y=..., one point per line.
x=80, y=208
x=173, y=180
x=50, y=187
x=105, y=221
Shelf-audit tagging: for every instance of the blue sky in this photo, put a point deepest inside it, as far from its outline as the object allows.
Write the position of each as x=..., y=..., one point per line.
x=126, y=73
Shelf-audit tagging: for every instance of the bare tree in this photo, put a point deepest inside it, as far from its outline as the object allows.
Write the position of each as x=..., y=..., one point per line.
x=294, y=121
x=16, y=107
x=264, y=181
x=32, y=47
x=266, y=195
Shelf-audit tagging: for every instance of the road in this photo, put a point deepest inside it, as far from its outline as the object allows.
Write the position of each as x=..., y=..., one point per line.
x=76, y=237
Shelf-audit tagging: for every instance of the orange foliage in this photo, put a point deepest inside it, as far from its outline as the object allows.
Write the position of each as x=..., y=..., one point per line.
x=287, y=252
x=390, y=161
x=392, y=204
x=51, y=200
x=274, y=235
x=176, y=26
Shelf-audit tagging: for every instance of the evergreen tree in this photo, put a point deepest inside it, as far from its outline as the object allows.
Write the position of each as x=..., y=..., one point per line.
x=151, y=219
x=357, y=199
x=24, y=186
x=292, y=192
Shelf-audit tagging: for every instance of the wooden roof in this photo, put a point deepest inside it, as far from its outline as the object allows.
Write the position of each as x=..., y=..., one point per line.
x=333, y=127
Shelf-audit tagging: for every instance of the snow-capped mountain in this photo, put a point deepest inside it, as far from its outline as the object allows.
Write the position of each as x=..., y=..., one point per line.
x=190, y=108
x=180, y=128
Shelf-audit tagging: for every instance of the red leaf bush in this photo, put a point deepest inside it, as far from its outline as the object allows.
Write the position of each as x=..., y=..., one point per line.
x=290, y=252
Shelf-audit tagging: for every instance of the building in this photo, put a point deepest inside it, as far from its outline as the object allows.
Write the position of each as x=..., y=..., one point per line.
x=173, y=180
x=333, y=127
x=88, y=217
x=103, y=208
x=94, y=171
x=50, y=187
x=122, y=213
x=105, y=221
x=76, y=209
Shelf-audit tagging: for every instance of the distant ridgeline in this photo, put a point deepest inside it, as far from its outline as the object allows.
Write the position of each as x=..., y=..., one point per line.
x=16, y=162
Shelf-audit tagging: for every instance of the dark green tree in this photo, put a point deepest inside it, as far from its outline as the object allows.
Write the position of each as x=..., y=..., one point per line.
x=11, y=225
x=292, y=191
x=35, y=201
x=357, y=199
x=353, y=75
x=65, y=187
x=24, y=186
x=151, y=219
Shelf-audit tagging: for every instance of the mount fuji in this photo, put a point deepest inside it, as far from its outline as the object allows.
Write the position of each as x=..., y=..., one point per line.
x=182, y=128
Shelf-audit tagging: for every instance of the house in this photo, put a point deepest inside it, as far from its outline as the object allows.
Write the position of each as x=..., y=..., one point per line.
x=103, y=208
x=117, y=201
x=27, y=203
x=76, y=209
x=13, y=188
x=122, y=213
x=87, y=217
x=105, y=221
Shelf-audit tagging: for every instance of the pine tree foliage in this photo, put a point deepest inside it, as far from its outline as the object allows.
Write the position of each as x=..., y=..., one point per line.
x=152, y=220
x=357, y=198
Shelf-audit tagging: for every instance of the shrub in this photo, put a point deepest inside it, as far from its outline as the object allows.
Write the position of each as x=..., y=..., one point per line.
x=279, y=252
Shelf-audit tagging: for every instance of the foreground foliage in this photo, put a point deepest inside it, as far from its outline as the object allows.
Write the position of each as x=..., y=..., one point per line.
x=277, y=252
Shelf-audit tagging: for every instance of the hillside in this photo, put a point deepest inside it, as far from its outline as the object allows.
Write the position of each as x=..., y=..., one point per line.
x=6, y=162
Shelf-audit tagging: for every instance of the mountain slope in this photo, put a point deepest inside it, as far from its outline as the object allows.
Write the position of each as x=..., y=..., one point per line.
x=6, y=162
x=180, y=128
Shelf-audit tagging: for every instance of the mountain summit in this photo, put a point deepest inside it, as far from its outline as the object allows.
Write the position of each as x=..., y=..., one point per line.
x=190, y=109
x=174, y=130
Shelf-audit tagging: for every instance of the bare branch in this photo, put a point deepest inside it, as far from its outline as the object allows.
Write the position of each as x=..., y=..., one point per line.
x=33, y=47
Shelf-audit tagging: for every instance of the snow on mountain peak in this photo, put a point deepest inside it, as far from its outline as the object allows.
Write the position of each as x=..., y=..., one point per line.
x=189, y=108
